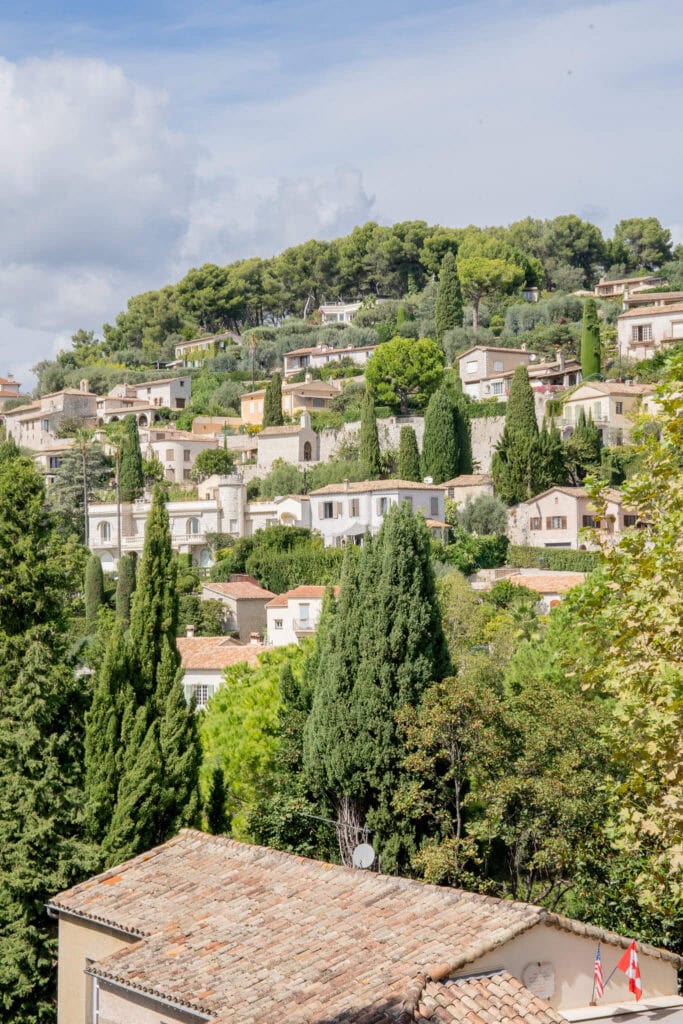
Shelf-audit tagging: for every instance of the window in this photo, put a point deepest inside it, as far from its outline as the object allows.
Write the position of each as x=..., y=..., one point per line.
x=497, y=365
x=200, y=691
x=105, y=532
x=304, y=615
x=233, y=526
x=597, y=411
x=328, y=510
x=641, y=332
x=45, y=425
x=54, y=462
x=187, y=454
x=433, y=506
x=589, y=521
x=620, y=408
x=354, y=508
x=193, y=525
x=277, y=624
x=308, y=451
x=409, y=502
x=186, y=474
x=252, y=406
x=181, y=383
x=318, y=403
x=497, y=387
x=169, y=455
x=630, y=520
x=535, y=523
x=556, y=523
x=472, y=366
x=382, y=506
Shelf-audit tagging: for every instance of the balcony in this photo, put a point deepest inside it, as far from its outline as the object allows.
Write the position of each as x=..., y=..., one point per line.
x=303, y=625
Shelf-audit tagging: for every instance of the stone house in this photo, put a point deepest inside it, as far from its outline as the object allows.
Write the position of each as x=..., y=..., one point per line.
x=468, y=486
x=612, y=405
x=482, y=369
x=342, y=513
x=208, y=929
x=308, y=396
x=294, y=443
x=9, y=388
x=294, y=614
x=36, y=426
x=203, y=660
x=555, y=519
x=244, y=602
x=645, y=329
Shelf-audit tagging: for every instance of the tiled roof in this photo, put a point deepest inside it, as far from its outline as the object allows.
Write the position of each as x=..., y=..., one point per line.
x=216, y=652
x=241, y=590
x=494, y=348
x=302, y=593
x=317, y=349
x=360, y=486
x=612, y=493
x=468, y=480
x=549, y=583
x=611, y=387
x=676, y=307
x=497, y=997
x=162, y=380
x=288, y=428
x=247, y=934
x=629, y=280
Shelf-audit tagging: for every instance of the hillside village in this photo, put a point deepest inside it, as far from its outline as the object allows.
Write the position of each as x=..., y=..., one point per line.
x=341, y=550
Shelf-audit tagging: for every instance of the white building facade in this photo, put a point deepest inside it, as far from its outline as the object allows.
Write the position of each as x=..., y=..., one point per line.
x=294, y=614
x=645, y=329
x=323, y=355
x=342, y=513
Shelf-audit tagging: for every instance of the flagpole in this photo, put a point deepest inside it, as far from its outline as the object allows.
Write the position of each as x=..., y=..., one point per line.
x=614, y=971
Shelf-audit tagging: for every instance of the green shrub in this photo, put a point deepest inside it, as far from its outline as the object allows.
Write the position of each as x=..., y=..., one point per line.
x=523, y=557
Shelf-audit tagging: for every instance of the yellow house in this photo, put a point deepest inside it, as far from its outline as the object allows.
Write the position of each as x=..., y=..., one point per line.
x=611, y=404
x=309, y=395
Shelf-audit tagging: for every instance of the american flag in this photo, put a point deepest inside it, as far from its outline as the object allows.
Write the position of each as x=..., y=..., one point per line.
x=598, y=982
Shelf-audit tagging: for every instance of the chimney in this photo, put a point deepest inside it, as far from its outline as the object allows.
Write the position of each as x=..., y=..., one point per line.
x=189, y=630
x=254, y=639
x=85, y=385
x=560, y=358
x=346, y=486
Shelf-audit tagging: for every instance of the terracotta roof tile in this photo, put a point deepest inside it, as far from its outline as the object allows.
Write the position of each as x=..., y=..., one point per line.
x=359, y=486
x=240, y=590
x=468, y=480
x=216, y=652
x=549, y=583
x=300, y=593
x=675, y=307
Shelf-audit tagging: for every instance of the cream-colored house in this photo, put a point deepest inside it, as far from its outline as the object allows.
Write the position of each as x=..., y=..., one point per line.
x=294, y=443
x=36, y=426
x=611, y=404
x=9, y=388
x=176, y=450
x=244, y=601
x=203, y=660
x=468, y=486
x=627, y=285
x=323, y=355
x=643, y=330
x=555, y=519
x=195, y=351
x=207, y=929
x=308, y=396
x=339, y=312
x=342, y=513
x=294, y=614
x=482, y=369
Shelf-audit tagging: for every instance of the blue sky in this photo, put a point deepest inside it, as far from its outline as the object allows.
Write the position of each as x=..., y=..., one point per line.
x=138, y=139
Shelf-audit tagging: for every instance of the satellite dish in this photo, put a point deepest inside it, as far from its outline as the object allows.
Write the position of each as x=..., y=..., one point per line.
x=363, y=856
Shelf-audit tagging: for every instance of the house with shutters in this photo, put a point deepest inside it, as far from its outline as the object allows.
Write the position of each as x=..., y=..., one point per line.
x=642, y=330
x=204, y=659
x=294, y=614
x=318, y=356
x=208, y=929
x=555, y=519
x=612, y=405
x=342, y=513
x=244, y=601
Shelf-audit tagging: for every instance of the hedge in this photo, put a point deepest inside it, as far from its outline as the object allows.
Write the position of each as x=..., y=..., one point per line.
x=560, y=559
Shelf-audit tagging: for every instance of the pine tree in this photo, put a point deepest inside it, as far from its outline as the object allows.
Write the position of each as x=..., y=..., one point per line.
x=272, y=403
x=94, y=591
x=512, y=464
x=41, y=743
x=130, y=472
x=408, y=455
x=369, y=439
x=125, y=586
x=590, y=341
x=549, y=460
x=440, y=451
x=377, y=652
x=217, y=817
x=448, y=312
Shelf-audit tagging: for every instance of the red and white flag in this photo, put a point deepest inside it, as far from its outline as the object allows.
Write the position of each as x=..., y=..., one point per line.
x=629, y=965
x=598, y=981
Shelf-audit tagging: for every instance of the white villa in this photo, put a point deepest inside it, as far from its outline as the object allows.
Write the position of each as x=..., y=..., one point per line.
x=339, y=312
x=203, y=660
x=176, y=450
x=343, y=512
x=644, y=329
x=322, y=355
x=294, y=614
x=626, y=286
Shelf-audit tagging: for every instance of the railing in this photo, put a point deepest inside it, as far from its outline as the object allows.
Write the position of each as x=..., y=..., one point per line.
x=303, y=626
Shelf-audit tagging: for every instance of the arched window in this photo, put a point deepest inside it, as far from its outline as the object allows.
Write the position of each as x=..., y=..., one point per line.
x=193, y=525
x=308, y=451
x=142, y=420
x=105, y=532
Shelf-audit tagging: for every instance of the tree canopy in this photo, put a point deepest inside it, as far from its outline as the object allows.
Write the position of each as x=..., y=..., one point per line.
x=403, y=370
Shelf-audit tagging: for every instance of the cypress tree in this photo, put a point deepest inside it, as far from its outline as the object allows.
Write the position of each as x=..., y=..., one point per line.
x=512, y=464
x=448, y=310
x=440, y=451
x=94, y=591
x=549, y=460
x=408, y=455
x=369, y=439
x=133, y=826
x=584, y=448
x=130, y=472
x=217, y=817
x=463, y=429
x=590, y=341
x=41, y=742
x=272, y=403
x=381, y=647
x=125, y=586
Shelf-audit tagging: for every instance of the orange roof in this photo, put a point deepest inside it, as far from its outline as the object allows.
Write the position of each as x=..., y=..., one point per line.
x=359, y=486
x=241, y=590
x=549, y=583
x=675, y=307
x=302, y=593
x=494, y=997
x=216, y=652
x=468, y=480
